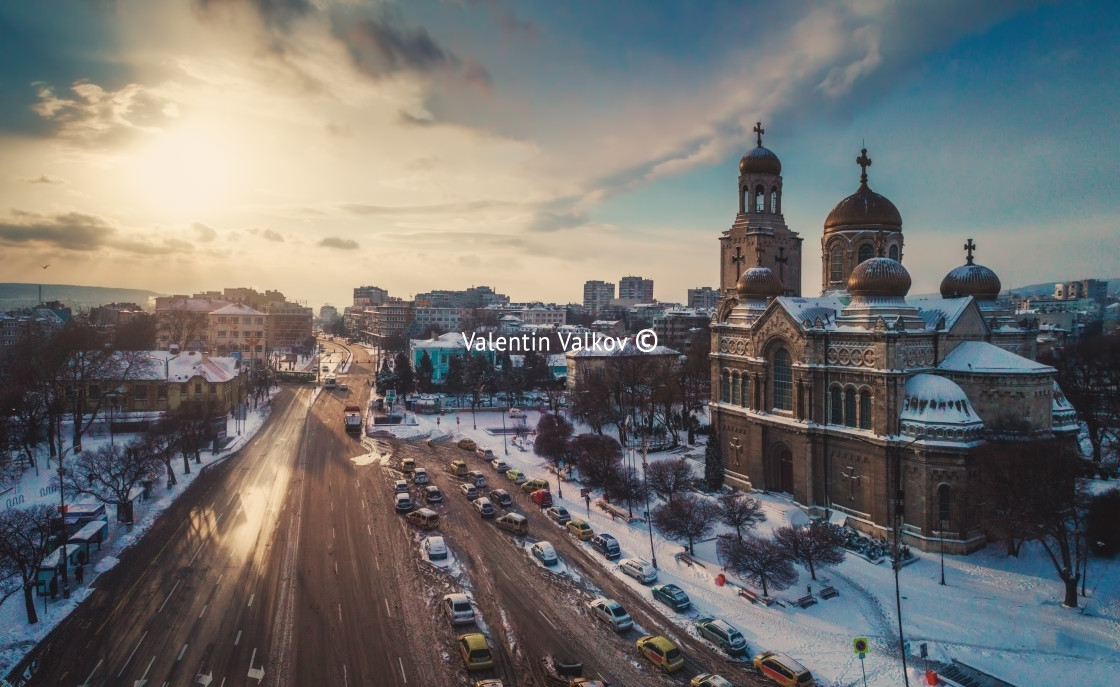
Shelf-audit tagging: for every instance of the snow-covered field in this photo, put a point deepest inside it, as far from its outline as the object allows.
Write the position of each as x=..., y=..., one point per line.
x=1001, y=615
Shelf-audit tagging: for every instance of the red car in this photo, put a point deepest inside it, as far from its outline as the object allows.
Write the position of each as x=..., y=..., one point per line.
x=542, y=497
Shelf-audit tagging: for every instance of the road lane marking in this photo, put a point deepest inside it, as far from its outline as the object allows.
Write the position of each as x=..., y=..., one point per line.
x=336, y=567
x=549, y=621
x=237, y=639
x=196, y=554
x=219, y=579
x=219, y=518
x=86, y=683
x=134, y=653
x=345, y=679
x=251, y=597
x=340, y=613
x=203, y=610
x=387, y=608
x=403, y=676
x=181, y=652
x=332, y=533
x=369, y=529
x=169, y=595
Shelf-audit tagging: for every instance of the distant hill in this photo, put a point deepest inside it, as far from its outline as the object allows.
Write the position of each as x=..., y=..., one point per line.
x=1047, y=289
x=13, y=296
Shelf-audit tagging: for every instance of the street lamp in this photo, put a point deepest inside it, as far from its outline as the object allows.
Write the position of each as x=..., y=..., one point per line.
x=649, y=519
x=942, y=533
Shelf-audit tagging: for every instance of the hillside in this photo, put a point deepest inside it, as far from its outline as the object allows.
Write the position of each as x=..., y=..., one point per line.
x=14, y=296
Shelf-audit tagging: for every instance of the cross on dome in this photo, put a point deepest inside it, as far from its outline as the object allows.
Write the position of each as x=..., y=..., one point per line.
x=864, y=162
x=759, y=130
x=758, y=252
x=969, y=246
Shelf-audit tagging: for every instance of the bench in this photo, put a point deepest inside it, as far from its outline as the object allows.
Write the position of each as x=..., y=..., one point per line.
x=617, y=512
x=748, y=595
x=806, y=601
x=683, y=557
x=829, y=592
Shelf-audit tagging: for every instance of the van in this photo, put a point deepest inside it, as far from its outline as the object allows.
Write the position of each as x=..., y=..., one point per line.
x=425, y=518
x=783, y=670
x=542, y=497
x=514, y=522
x=458, y=468
x=534, y=484
x=408, y=465
x=606, y=545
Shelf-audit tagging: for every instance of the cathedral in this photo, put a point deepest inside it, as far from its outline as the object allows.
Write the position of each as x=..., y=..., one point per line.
x=859, y=401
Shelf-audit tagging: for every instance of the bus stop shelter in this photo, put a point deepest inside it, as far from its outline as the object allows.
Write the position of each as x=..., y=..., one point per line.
x=91, y=533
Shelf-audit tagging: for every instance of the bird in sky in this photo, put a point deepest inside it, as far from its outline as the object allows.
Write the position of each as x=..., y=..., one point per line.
x=46, y=266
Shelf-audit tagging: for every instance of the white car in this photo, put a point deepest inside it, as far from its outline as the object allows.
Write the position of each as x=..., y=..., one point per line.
x=435, y=548
x=641, y=570
x=612, y=613
x=544, y=552
x=500, y=465
x=484, y=507
x=458, y=608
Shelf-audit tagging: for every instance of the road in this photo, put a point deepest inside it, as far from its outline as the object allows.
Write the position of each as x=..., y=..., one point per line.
x=287, y=565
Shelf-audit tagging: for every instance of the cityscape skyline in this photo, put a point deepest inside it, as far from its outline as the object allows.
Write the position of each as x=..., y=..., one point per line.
x=168, y=147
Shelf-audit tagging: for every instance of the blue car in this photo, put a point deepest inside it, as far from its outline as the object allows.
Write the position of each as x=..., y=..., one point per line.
x=671, y=595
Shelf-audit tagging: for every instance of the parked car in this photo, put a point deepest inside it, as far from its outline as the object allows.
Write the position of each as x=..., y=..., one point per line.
x=671, y=595
x=516, y=476
x=544, y=552
x=476, y=478
x=458, y=608
x=783, y=670
x=639, y=569
x=607, y=545
x=484, y=453
x=541, y=497
x=663, y=653
x=514, y=522
x=435, y=548
x=534, y=484
x=404, y=503
x=467, y=444
x=611, y=612
x=500, y=465
x=725, y=635
x=580, y=529
x=558, y=514
x=432, y=494
x=484, y=507
x=425, y=518
x=420, y=476
x=709, y=680
x=469, y=490
x=500, y=497
x=475, y=651
x=400, y=486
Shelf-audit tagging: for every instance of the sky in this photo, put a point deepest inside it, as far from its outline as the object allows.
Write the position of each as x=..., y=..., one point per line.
x=312, y=146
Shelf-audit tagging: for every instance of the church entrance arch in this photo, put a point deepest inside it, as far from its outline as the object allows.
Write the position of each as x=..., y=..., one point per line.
x=785, y=470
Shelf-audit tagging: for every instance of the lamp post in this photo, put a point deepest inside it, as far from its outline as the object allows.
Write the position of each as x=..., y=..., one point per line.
x=896, y=557
x=649, y=519
x=942, y=533
x=504, y=446
x=62, y=518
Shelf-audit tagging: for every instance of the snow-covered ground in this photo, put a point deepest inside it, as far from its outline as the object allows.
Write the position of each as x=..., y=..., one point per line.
x=1001, y=615
x=16, y=636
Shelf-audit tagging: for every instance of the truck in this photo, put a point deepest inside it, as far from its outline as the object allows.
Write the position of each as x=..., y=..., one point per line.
x=352, y=418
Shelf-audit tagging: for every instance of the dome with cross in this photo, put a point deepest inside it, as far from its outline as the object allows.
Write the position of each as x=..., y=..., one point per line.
x=971, y=280
x=760, y=160
x=864, y=209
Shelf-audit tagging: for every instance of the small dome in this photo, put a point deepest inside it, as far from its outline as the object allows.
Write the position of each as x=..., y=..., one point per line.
x=759, y=283
x=879, y=277
x=971, y=280
x=864, y=209
x=760, y=160
x=935, y=408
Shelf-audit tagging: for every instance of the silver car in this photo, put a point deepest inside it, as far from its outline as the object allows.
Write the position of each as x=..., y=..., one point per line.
x=641, y=570
x=458, y=608
x=612, y=613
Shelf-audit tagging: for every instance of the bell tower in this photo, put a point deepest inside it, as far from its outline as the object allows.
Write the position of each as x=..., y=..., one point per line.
x=759, y=227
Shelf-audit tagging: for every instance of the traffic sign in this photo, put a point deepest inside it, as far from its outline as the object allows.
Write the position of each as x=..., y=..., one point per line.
x=861, y=646
x=584, y=492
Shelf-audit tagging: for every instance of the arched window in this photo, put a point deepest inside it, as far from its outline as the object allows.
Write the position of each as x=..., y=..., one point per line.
x=894, y=253
x=735, y=389
x=866, y=252
x=725, y=387
x=746, y=392
x=850, y=407
x=774, y=200
x=783, y=380
x=836, y=265
x=836, y=406
x=943, y=510
x=865, y=409
x=759, y=199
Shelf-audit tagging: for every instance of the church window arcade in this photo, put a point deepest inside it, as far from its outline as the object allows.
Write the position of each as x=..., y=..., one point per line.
x=849, y=407
x=746, y=391
x=865, y=409
x=774, y=200
x=783, y=380
x=760, y=199
x=736, y=399
x=725, y=387
x=836, y=406
x=944, y=505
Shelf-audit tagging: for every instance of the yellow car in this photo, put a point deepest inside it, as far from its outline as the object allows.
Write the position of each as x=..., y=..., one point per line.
x=467, y=444
x=664, y=654
x=580, y=529
x=475, y=651
x=516, y=476
x=533, y=485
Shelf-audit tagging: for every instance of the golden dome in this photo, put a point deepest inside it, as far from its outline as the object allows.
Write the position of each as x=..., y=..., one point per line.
x=760, y=160
x=971, y=280
x=864, y=209
x=879, y=277
x=759, y=283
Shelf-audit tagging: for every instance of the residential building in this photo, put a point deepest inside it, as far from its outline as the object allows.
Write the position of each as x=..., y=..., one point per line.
x=597, y=357
x=388, y=320
x=635, y=289
x=444, y=319
x=1093, y=289
x=675, y=327
x=328, y=314
x=597, y=295
x=441, y=350
x=370, y=295
x=290, y=327
x=238, y=331
x=703, y=297
x=169, y=380
x=474, y=297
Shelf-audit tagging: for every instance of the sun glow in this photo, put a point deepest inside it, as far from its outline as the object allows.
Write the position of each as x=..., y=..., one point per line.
x=187, y=169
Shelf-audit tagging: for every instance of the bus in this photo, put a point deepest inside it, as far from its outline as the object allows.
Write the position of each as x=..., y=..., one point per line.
x=330, y=382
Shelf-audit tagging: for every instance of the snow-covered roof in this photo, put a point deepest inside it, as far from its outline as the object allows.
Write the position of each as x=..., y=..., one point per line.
x=980, y=356
x=801, y=309
x=236, y=309
x=1062, y=413
x=450, y=340
x=205, y=305
x=936, y=408
x=932, y=310
x=182, y=367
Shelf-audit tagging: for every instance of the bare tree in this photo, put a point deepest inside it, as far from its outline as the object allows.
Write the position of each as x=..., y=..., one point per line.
x=163, y=441
x=740, y=511
x=182, y=325
x=760, y=561
x=688, y=517
x=814, y=546
x=599, y=458
x=554, y=433
x=668, y=477
x=591, y=402
x=25, y=535
x=1089, y=376
x=191, y=423
x=628, y=486
x=109, y=474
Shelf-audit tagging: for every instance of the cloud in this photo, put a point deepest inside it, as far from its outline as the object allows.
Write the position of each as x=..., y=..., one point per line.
x=97, y=117
x=144, y=245
x=45, y=179
x=267, y=234
x=555, y=221
x=340, y=244
x=276, y=14
x=69, y=230
x=203, y=232
x=840, y=79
